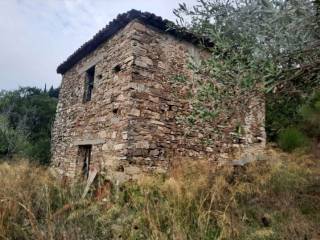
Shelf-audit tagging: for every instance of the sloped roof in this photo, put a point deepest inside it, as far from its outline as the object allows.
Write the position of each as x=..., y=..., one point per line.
x=119, y=23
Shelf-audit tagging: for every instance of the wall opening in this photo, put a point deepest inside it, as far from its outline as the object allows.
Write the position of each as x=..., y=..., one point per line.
x=89, y=82
x=99, y=76
x=116, y=68
x=85, y=158
x=115, y=111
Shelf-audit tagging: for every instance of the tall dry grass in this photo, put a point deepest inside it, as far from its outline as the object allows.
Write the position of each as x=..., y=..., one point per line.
x=35, y=205
x=278, y=198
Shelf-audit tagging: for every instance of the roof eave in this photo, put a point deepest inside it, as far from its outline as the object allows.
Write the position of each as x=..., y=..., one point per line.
x=119, y=23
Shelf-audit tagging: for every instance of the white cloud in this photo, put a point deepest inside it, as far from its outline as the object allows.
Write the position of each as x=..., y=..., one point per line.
x=37, y=35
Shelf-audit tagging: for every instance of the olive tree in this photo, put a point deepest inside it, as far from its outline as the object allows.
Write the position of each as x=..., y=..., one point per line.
x=267, y=47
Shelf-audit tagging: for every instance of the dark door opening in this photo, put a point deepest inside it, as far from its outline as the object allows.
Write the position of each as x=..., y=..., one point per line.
x=85, y=157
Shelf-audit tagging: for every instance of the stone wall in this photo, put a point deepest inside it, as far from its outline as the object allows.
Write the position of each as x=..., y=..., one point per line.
x=103, y=121
x=132, y=119
x=156, y=135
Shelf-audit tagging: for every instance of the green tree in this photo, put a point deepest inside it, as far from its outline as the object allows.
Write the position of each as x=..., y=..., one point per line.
x=29, y=114
x=267, y=47
x=310, y=115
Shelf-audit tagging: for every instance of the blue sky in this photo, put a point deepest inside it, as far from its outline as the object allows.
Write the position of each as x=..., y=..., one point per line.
x=37, y=35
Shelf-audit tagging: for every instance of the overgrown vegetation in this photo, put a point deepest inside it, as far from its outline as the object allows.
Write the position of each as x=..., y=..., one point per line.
x=277, y=198
x=291, y=139
x=305, y=129
x=261, y=47
x=26, y=117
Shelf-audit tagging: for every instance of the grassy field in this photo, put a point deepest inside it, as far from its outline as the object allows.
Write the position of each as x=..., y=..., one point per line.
x=278, y=198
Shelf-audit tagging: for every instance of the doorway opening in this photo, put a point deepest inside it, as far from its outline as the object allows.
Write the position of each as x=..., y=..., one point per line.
x=85, y=159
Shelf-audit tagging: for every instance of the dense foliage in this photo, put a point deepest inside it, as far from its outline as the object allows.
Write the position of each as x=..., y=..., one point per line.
x=268, y=47
x=26, y=117
x=305, y=130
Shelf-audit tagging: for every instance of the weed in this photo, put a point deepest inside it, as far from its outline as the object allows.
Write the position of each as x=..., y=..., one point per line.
x=291, y=139
x=277, y=198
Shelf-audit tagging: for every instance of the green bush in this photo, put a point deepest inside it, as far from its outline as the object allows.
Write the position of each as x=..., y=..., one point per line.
x=310, y=114
x=26, y=118
x=291, y=139
x=281, y=113
x=3, y=143
x=11, y=141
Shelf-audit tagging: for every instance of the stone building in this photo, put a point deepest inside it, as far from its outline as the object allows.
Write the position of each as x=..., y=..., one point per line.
x=118, y=108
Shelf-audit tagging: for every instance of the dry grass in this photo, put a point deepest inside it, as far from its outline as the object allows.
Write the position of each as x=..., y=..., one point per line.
x=278, y=198
x=270, y=199
x=34, y=205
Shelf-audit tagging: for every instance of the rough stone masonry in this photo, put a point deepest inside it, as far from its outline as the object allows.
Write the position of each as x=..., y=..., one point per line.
x=118, y=109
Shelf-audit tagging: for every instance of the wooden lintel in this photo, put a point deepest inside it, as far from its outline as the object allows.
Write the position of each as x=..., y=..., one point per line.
x=89, y=142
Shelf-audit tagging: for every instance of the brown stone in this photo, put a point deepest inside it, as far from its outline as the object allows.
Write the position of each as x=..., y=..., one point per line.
x=135, y=108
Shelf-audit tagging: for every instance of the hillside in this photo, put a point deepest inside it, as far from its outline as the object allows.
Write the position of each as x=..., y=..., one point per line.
x=140, y=100
x=277, y=197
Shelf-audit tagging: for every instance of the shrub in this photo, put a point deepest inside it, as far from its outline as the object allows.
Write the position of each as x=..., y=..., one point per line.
x=3, y=143
x=26, y=118
x=281, y=113
x=12, y=142
x=291, y=139
x=310, y=114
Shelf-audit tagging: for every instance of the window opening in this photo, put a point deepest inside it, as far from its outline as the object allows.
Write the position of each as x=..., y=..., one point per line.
x=115, y=110
x=89, y=83
x=117, y=68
